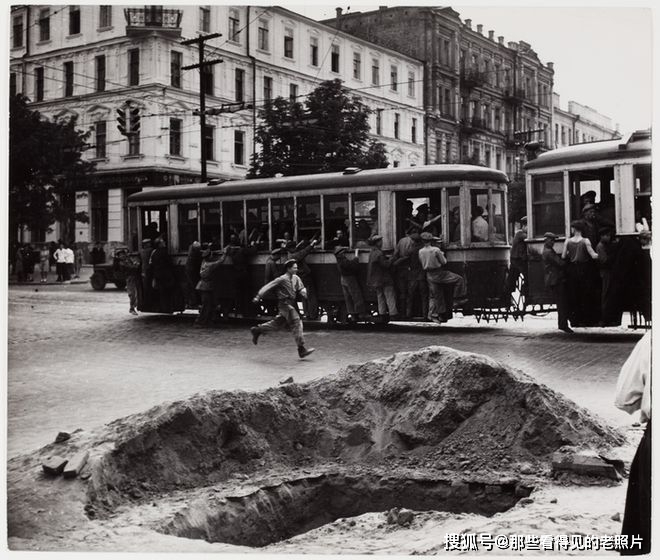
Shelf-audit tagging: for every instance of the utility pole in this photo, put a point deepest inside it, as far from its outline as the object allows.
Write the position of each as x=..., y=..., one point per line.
x=202, y=65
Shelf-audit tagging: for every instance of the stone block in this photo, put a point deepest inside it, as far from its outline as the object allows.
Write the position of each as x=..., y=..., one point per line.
x=75, y=464
x=583, y=464
x=54, y=465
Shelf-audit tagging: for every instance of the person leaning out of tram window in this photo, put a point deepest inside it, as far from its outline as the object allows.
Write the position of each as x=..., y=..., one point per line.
x=582, y=280
x=479, y=225
x=433, y=260
x=205, y=287
x=554, y=275
x=379, y=277
x=349, y=270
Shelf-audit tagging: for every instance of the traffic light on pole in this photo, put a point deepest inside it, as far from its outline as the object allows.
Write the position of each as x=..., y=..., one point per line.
x=135, y=120
x=121, y=121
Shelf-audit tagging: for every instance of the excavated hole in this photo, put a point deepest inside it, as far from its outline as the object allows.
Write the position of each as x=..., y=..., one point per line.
x=278, y=512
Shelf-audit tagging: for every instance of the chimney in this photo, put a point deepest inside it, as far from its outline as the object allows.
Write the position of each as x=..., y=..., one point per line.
x=550, y=65
x=468, y=23
x=382, y=8
x=513, y=45
x=339, y=11
x=500, y=39
x=480, y=28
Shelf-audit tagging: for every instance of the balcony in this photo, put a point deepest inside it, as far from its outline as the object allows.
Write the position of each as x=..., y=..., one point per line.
x=514, y=96
x=471, y=78
x=473, y=125
x=149, y=19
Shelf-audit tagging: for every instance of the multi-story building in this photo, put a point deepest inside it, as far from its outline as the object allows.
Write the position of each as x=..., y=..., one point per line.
x=110, y=65
x=483, y=98
x=579, y=124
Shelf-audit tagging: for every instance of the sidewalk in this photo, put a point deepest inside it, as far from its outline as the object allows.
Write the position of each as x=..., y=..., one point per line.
x=85, y=274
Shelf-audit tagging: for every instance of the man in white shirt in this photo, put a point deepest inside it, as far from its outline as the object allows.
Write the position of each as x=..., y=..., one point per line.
x=60, y=262
x=69, y=263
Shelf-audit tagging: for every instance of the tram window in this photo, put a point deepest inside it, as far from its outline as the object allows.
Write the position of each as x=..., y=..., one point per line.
x=419, y=209
x=335, y=215
x=257, y=224
x=282, y=219
x=365, y=219
x=154, y=223
x=232, y=220
x=309, y=217
x=210, y=224
x=642, y=197
x=495, y=218
x=548, y=205
x=454, y=211
x=479, y=228
x=187, y=225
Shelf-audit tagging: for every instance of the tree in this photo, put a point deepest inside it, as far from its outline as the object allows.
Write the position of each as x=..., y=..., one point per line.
x=45, y=165
x=328, y=132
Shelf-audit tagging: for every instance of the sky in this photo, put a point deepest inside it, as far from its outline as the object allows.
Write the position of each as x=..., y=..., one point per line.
x=602, y=53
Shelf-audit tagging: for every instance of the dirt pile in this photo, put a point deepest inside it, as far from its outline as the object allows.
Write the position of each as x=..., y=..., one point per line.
x=437, y=409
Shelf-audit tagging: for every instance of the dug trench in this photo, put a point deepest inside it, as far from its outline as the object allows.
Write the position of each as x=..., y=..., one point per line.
x=435, y=429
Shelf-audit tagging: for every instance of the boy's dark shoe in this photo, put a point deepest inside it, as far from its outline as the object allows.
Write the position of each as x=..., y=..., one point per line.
x=256, y=333
x=303, y=352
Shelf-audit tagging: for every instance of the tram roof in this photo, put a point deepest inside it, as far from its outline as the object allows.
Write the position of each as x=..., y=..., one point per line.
x=638, y=144
x=322, y=181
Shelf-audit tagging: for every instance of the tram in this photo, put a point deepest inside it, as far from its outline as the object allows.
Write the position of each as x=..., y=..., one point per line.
x=261, y=214
x=614, y=177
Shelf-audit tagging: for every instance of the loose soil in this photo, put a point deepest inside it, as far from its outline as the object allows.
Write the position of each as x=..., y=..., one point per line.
x=458, y=436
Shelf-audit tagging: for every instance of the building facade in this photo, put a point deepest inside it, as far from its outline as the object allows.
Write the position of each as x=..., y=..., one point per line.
x=116, y=66
x=483, y=98
x=579, y=124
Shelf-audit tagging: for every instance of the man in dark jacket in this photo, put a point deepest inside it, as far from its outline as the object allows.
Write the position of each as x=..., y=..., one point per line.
x=518, y=258
x=298, y=253
x=239, y=257
x=380, y=278
x=349, y=270
x=555, y=279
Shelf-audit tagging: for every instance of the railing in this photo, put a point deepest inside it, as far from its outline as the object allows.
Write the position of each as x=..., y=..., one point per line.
x=514, y=95
x=153, y=17
x=471, y=77
x=468, y=126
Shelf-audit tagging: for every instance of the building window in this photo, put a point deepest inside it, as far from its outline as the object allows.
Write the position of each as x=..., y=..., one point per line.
x=100, y=133
x=68, y=79
x=397, y=124
x=209, y=132
x=175, y=137
x=239, y=147
x=39, y=84
x=375, y=72
x=17, y=31
x=288, y=43
x=99, y=63
x=12, y=84
x=446, y=52
x=205, y=18
x=314, y=51
x=208, y=79
x=99, y=215
x=357, y=66
x=134, y=67
x=262, y=35
x=176, y=61
x=411, y=84
x=447, y=103
x=268, y=88
x=413, y=131
x=447, y=151
x=334, y=58
x=394, y=78
x=74, y=20
x=239, y=81
x=234, y=26
x=293, y=92
x=44, y=25
x=379, y=121
x=105, y=16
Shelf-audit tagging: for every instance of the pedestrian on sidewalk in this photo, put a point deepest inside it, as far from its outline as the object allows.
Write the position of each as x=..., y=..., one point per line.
x=78, y=256
x=633, y=393
x=60, y=262
x=44, y=263
x=70, y=262
x=288, y=289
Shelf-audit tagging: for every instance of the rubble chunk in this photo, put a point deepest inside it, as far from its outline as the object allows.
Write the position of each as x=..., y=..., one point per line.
x=76, y=464
x=54, y=465
x=583, y=464
x=62, y=437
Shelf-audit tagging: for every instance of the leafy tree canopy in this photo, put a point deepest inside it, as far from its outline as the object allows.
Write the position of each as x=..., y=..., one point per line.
x=328, y=132
x=45, y=164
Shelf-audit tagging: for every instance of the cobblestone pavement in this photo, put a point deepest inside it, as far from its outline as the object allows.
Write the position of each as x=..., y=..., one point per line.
x=77, y=358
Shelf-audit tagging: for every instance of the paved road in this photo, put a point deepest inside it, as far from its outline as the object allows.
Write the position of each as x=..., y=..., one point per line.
x=77, y=359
